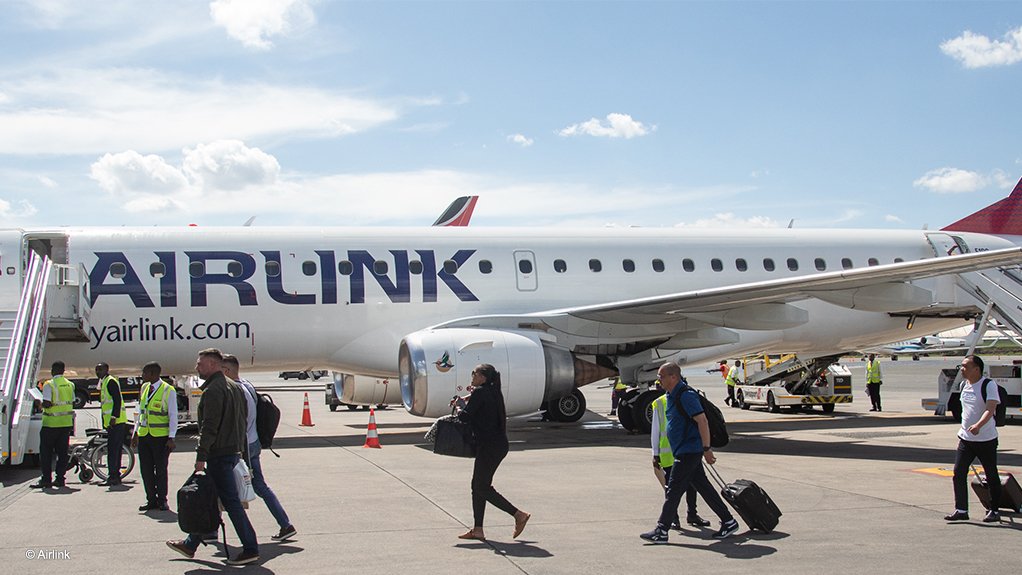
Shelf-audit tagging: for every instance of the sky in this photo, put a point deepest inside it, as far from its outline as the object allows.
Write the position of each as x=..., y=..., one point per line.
x=576, y=113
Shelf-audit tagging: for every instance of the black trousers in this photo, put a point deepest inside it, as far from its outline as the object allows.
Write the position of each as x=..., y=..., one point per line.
x=53, y=441
x=688, y=472
x=874, y=394
x=690, y=494
x=153, y=457
x=731, y=396
x=967, y=452
x=488, y=458
x=115, y=441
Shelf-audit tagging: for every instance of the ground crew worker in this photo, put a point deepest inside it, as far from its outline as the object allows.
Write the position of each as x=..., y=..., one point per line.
x=58, y=423
x=873, y=381
x=731, y=379
x=115, y=422
x=615, y=395
x=663, y=458
x=155, y=430
x=721, y=368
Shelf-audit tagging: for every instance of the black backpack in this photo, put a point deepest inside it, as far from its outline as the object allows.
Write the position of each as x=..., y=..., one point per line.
x=198, y=510
x=1001, y=413
x=714, y=417
x=267, y=419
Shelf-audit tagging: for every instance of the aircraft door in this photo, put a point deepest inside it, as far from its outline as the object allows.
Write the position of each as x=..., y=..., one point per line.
x=525, y=270
x=945, y=245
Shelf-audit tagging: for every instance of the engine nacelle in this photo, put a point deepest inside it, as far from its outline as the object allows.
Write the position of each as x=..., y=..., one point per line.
x=435, y=365
x=366, y=390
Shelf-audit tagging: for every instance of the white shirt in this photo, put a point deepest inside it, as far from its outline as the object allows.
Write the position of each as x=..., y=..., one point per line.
x=973, y=407
x=250, y=399
x=654, y=434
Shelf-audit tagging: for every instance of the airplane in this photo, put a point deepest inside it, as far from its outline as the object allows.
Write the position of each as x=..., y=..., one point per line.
x=921, y=346
x=415, y=309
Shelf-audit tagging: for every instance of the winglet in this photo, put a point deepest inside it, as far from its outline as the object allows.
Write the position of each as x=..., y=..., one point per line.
x=1001, y=218
x=458, y=213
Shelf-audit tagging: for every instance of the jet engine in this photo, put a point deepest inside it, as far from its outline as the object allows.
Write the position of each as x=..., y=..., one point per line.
x=365, y=390
x=436, y=364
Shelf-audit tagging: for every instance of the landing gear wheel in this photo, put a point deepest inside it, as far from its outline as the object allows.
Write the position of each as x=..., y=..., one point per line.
x=303, y=376
x=624, y=410
x=828, y=408
x=740, y=396
x=772, y=404
x=350, y=407
x=642, y=410
x=567, y=409
x=85, y=475
x=333, y=407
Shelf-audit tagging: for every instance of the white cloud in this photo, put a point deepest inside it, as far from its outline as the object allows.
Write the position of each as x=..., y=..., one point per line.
x=91, y=111
x=978, y=51
x=893, y=219
x=951, y=181
x=229, y=165
x=521, y=140
x=7, y=212
x=130, y=173
x=616, y=126
x=729, y=220
x=254, y=22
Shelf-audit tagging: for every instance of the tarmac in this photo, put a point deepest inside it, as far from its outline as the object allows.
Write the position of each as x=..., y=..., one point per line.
x=860, y=492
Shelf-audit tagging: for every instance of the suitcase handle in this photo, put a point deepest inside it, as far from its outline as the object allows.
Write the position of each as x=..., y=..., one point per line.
x=715, y=475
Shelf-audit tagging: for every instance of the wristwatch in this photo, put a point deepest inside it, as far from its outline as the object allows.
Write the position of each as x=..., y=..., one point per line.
x=706, y=448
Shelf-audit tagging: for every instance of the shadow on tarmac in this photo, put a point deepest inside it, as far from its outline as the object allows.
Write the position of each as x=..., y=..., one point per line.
x=515, y=549
x=267, y=552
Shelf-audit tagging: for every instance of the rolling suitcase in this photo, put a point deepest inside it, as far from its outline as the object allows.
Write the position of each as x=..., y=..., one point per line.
x=753, y=504
x=1011, y=492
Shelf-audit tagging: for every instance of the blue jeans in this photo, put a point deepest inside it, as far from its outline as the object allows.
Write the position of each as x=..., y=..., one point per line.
x=221, y=470
x=262, y=489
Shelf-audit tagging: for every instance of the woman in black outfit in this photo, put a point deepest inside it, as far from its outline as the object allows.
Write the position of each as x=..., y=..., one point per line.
x=485, y=414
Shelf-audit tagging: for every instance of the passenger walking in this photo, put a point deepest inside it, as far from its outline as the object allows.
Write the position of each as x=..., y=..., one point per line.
x=222, y=421
x=663, y=458
x=689, y=436
x=58, y=423
x=154, y=434
x=977, y=437
x=873, y=381
x=487, y=417
x=115, y=422
x=287, y=530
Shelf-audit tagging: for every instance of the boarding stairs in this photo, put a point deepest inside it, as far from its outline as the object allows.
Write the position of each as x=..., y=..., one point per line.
x=22, y=338
x=998, y=290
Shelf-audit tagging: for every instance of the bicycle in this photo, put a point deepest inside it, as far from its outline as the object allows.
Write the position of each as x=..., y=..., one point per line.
x=89, y=459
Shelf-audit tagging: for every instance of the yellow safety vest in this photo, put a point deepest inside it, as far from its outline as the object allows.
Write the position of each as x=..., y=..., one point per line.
x=108, y=402
x=731, y=376
x=62, y=396
x=873, y=371
x=660, y=409
x=619, y=385
x=153, y=412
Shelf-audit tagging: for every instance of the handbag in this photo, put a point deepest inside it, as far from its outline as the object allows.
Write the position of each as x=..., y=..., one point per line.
x=454, y=437
x=243, y=479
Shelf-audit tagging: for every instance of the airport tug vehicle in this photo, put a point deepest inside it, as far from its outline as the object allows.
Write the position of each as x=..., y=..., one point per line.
x=797, y=384
x=949, y=390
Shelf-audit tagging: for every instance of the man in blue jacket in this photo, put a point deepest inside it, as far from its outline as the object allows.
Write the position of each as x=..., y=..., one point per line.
x=689, y=435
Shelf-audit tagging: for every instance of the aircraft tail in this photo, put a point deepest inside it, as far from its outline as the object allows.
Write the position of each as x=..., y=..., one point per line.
x=1001, y=218
x=458, y=213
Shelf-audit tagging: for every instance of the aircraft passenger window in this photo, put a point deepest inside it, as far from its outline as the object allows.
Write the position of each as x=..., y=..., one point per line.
x=117, y=270
x=451, y=266
x=898, y=260
x=524, y=266
x=821, y=265
x=309, y=268
x=628, y=265
x=688, y=265
x=415, y=266
x=380, y=268
x=345, y=268
x=716, y=265
x=741, y=265
x=235, y=269
x=485, y=266
x=872, y=262
x=157, y=269
x=768, y=264
x=793, y=264
x=595, y=265
x=560, y=266
x=847, y=263
x=658, y=265
x=196, y=269
x=272, y=269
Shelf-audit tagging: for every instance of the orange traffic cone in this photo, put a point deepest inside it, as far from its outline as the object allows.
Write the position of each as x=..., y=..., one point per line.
x=306, y=414
x=372, y=438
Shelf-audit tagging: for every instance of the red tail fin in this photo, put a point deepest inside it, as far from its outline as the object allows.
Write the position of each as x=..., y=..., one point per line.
x=1001, y=218
x=458, y=213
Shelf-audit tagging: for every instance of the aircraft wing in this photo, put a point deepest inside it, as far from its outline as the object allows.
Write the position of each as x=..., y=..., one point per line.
x=756, y=305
